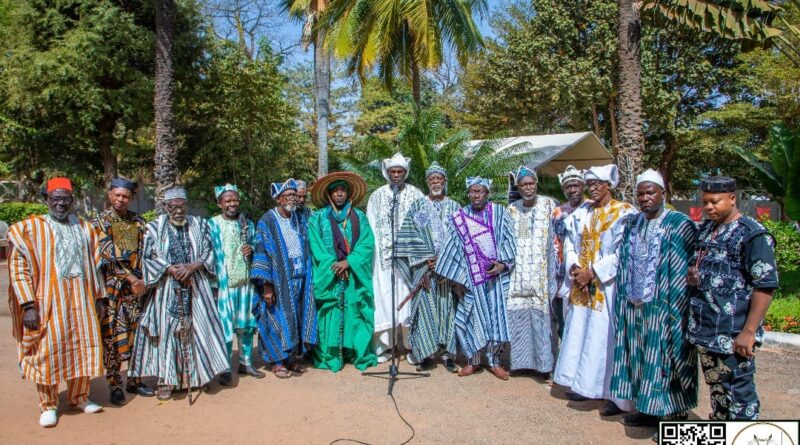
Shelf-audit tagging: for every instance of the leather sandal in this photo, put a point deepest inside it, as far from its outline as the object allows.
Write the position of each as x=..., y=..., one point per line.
x=281, y=372
x=468, y=370
x=499, y=372
x=298, y=367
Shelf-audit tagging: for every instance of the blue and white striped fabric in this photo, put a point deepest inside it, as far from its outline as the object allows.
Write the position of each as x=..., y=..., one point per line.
x=156, y=351
x=481, y=314
x=432, y=310
x=289, y=326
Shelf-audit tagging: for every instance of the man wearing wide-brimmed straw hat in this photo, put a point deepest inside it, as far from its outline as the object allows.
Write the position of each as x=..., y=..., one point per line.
x=342, y=246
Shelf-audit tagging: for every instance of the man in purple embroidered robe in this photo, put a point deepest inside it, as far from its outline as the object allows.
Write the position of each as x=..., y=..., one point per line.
x=478, y=256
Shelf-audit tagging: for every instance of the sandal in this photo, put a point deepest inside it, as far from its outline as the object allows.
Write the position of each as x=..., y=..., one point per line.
x=298, y=367
x=164, y=392
x=281, y=372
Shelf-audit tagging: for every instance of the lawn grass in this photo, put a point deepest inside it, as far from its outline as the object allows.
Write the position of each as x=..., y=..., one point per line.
x=784, y=315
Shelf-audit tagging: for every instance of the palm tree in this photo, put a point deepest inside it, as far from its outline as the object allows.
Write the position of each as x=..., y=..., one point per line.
x=751, y=21
x=402, y=36
x=425, y=140
x=311, y=11
x=166, y=167
x=630, y=125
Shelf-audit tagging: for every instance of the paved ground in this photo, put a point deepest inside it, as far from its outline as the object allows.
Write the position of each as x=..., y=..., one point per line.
x=320, y=407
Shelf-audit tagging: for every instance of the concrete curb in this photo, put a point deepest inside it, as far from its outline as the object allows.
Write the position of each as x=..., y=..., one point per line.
x=782, y=340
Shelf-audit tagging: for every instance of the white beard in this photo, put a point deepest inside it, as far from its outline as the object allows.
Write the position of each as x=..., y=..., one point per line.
x=290, y=208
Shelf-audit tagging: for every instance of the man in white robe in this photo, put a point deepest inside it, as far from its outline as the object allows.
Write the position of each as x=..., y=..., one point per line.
x=528, y=299
x=591, y=259
x=379, y=214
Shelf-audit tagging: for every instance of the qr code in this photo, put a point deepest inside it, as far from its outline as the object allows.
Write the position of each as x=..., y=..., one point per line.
x=693, y=434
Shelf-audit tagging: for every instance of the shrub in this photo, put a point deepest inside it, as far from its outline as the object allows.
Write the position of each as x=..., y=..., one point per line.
x=13, y=212
x=787, y=248
x=784, y=315
x=149, y=215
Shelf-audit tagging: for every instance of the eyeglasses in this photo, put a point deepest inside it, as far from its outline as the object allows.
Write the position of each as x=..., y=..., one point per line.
x=594, y=185
x=477, y=193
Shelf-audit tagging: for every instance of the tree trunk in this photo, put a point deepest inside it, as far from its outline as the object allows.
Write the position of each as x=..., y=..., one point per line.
x=631, y=131
x=612, y=119
x=595, y=121
x=415, y=84
x=322, y=87
x=667, y=164
x=166, y=168
x=104, y=141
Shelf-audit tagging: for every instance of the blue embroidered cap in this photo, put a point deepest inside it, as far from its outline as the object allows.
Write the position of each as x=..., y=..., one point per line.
x=220, y=189
x=278, y=188
x=477, y=180
x=435, y=168
x=524, y=171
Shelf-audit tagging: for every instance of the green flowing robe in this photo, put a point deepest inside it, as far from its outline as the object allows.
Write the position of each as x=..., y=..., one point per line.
x=345, y=309
x=654, y=364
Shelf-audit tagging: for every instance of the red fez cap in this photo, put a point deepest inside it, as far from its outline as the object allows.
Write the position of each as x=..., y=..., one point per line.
x=59, y=183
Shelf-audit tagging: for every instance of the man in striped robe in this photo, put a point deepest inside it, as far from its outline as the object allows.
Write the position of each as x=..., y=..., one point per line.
x=121, y=236
x=178, y=261
x=232, y=236
x=478, y=257
x=286, y=314
x=533, y=278
x=432, y=301
x=55, y=298
x=654, y=364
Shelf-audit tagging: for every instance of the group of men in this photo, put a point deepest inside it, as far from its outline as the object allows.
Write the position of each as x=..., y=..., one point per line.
x=612, y=302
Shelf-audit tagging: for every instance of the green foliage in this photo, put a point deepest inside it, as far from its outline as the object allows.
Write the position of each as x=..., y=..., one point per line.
x=732, y=19
x=787, y=248
x=240, y=129
x=401, y=37
x=76, y=77
x=427, y=139
x=781, y=175
x=150, y=215
x=784, y=315
x=12, y=212
x=552, y=62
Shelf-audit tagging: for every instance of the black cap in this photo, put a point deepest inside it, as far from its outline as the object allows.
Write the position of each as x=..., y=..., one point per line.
x=120, y=182
x=718, y=184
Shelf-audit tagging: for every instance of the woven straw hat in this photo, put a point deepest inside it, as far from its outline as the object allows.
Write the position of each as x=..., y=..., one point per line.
x=319, y=191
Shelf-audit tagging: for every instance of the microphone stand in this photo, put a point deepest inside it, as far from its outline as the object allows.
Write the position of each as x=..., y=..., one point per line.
x=395, y=363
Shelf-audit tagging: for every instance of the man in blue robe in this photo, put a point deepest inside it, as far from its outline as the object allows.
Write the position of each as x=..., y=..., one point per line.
x=477, y=257
x=286, y=312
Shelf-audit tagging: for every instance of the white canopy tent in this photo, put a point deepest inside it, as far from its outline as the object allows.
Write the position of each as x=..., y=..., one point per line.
x=552, y=153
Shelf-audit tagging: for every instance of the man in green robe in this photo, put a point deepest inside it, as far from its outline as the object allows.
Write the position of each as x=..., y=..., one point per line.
x=654, y=364
x=341, y=249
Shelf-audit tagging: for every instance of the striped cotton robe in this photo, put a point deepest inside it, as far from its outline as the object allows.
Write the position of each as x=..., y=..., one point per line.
x=67, y=344
x=289, y=326
x=157, y=350
x=432, y=314
x=481, y=314
x=654, y=364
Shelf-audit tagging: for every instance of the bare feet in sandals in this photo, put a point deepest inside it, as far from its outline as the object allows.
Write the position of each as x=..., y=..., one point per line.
x=297, y=367
x=281, y=372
